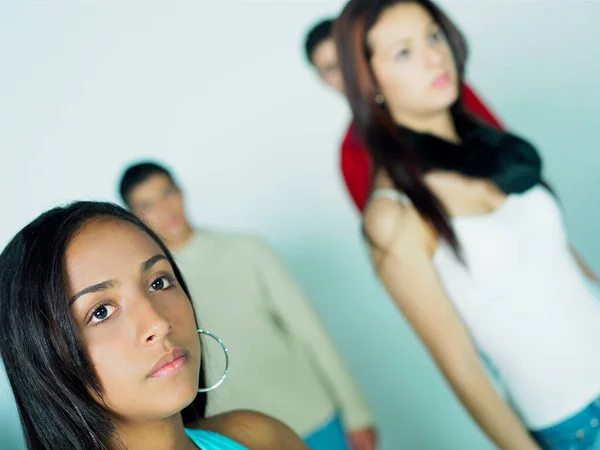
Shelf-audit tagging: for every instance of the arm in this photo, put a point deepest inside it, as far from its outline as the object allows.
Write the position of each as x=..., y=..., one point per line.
x=401, y=247
x=584, y=267
x=289, y=302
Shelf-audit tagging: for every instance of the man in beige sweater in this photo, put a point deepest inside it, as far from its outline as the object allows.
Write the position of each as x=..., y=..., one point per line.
x=283, y=363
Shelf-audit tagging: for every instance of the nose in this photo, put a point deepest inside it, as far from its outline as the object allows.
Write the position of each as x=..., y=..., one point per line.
x=152, y=325
x=434, y=56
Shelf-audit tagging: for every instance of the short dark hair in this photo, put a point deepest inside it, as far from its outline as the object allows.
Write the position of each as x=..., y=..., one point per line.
x=55, y=386
x=318, y=33
x=137, y=174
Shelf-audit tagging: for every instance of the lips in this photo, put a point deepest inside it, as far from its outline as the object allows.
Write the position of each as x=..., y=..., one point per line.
x=169, y=363
x=440, y=81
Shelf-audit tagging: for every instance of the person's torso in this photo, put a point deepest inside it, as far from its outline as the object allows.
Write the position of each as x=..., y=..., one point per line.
x=208, y=440
x=527, y=304
x=269, y=370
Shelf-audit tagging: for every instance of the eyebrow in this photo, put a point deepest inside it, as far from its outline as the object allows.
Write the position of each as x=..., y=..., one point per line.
x=147, y=265
x=400, y=41
x=405, y=40
x=105, y=285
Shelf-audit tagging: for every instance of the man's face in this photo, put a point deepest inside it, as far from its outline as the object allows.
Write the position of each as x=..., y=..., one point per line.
x=325, y=60
x=159, y=203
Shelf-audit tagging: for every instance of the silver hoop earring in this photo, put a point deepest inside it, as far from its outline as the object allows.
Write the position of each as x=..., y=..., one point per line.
x=379, y=99
x=218, y=383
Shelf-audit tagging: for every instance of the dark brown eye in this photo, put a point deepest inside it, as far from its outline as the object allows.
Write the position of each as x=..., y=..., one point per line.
x=437, y=36
x=101, y=313
x=160, y=284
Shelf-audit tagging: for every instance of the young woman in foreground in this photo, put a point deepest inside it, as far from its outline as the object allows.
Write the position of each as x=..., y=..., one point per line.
x=101, y=345
x=466, y=237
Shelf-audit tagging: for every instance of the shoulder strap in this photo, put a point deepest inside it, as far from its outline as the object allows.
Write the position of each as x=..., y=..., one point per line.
x=392, y=194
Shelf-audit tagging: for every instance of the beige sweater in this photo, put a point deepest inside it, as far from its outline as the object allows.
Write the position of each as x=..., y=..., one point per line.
x=282, y=362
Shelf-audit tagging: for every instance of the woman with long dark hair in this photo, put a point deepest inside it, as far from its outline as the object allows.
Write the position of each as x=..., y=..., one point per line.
x=101, y=344
x=465, y=235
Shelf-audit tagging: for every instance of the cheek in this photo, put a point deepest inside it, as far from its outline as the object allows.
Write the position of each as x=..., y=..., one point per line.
x=115, y=366
x=184, y=323
x=185, y=330
x=401, y=85
x=173, y=207
x=449, y=62
x=179, y=208
x=388, y=81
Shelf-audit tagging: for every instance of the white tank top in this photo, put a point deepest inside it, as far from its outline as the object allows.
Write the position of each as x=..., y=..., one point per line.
x=526, y=303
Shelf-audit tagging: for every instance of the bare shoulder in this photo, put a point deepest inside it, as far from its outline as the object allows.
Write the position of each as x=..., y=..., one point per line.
x=395, y=228
x=382, y=219
x=254, y=430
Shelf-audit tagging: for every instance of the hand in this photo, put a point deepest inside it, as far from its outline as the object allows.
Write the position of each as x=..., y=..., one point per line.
x=363, y=439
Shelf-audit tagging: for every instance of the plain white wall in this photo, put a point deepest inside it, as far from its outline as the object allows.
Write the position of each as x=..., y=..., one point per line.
x=220, y=91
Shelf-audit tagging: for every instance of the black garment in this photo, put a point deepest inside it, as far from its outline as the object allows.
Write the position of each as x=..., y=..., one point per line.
x=512, y=163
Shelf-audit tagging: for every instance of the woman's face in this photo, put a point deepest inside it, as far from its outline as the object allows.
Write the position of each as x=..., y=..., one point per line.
x=136, y=322
x=412, y=63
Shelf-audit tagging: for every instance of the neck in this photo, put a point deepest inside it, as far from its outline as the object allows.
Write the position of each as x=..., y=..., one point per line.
x=163, y=434
x=440, y=125
x=178, y=242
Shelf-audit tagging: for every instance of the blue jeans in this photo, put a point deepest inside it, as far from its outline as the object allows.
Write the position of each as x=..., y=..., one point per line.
x=579, y=432
x=330, y=436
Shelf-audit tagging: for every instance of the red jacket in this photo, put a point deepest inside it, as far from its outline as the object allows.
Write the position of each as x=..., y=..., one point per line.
x=355, y=162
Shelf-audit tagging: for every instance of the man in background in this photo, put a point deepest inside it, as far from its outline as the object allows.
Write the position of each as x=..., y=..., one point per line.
x=321, y=53
x=283, y=363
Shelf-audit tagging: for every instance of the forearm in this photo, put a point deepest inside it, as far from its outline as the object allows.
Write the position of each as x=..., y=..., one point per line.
x=490, y=412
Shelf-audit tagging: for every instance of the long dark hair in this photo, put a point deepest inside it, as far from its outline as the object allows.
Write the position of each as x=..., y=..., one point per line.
x=52, y=378
x=373, y=122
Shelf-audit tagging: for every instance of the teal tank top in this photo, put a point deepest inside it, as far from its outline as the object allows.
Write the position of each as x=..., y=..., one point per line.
x=207, y=440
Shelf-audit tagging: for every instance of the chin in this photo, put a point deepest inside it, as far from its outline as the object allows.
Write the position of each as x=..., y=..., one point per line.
x=440, y=105
x=448, y=97
x=181, y=387
x=176, y=400
x=178, y=233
